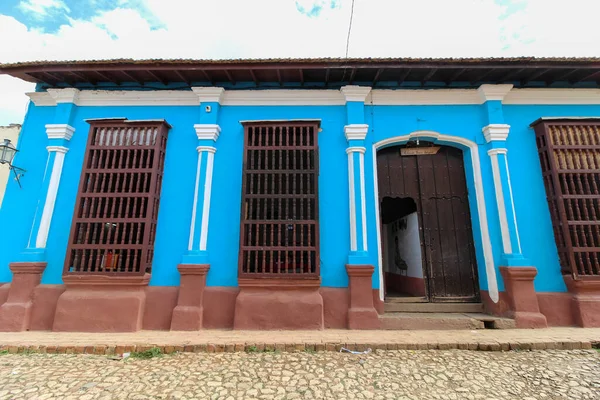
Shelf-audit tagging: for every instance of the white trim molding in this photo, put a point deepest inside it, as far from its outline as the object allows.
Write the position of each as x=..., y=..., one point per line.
x=59, y=131
x=356, y=131
x=553, y=96
x=479, y=195
x=321, y=97
x=283, y=97
x=355, y=93
x=496, y=132
x=352, y=198
x=412, y=97
x=209, y=94
x=48, y=210
x=66, y=95
x=58, y=149
x=489, y=92
x=207, y=131
x=206, y=203
x=506, y=245
x=195, y=202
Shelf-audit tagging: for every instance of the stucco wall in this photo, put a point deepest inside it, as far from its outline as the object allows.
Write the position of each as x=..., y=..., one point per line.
x=10, y=132
x=385, y=122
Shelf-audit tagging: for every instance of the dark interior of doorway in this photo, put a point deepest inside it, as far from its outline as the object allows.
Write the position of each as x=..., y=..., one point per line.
x=403, y=263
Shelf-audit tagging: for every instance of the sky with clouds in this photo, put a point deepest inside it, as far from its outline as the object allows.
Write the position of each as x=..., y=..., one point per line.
x=102, y=29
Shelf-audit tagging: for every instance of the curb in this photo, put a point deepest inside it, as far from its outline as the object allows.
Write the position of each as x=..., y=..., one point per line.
x=297, y=347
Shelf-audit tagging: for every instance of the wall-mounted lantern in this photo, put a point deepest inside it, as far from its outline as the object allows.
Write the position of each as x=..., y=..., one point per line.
x=7, y=153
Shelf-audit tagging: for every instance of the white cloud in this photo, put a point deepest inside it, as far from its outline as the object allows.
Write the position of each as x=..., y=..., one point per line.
x=276, y=28
x=42, y=7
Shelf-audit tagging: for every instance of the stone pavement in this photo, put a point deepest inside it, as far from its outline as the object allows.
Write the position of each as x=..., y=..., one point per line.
x=230, y=341
x=402, y=374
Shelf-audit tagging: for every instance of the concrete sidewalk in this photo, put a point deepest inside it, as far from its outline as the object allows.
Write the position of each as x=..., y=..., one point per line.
x=327, y=340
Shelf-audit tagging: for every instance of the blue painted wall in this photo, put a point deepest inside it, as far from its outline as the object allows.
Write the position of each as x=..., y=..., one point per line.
x=176, y=203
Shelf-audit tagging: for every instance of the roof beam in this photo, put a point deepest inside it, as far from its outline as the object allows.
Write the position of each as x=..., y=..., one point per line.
x=377, y=75
x=207, y=77
x=511, y=74
x=428, y=76
x=352, y=73
x=83, y=77
x=566, y=75
x=253, y=77
x=486, y=74
x=279, y=77
x=301, y=77
x=326, y=76
x=107, y=77
x=40, y=79
x=183, y=77
x=158, y=78
x=456, y=75
x=403, y=76
x=58, y=78
x=534, y=76
x=230, y=77
x=132, y=77
x=585, y=78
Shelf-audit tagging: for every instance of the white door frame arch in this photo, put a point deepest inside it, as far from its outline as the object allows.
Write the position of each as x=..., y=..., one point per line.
x=454, y=141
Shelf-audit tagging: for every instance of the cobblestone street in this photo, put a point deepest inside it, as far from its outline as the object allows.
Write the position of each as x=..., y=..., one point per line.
x=401, y=374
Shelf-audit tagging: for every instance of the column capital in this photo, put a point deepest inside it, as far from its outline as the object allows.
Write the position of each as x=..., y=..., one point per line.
x=495, y=132
x=58, y=149
x=209, y=94
x=493, y=92
x=59, y=131
x=66, y=95
x=355, y=149
x=207, y=131
x=355, y=93
x=208, y=149
x=495, y=152
x=356, y=131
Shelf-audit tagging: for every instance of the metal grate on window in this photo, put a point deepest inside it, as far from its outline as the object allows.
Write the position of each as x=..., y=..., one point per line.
x=279, y=227
x=569, y=154
x=114, y=224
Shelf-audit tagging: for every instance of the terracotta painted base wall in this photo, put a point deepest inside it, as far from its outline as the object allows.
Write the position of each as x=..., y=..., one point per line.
x=405, y=284
x=556, y=307
x=274, y=308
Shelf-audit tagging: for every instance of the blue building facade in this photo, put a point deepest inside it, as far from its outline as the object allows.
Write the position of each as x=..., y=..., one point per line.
x=195, y=280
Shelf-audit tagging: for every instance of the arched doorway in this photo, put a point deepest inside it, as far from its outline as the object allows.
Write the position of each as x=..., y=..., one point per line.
x=426, y=222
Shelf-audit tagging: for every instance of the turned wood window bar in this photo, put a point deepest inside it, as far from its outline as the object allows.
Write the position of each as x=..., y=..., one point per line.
x=279, y=222
x=114, y=224
x=569, y=152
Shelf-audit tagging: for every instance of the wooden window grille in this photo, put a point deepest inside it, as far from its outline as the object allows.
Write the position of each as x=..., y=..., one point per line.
x=569, y=152
x=114, y=224
x=279, y=227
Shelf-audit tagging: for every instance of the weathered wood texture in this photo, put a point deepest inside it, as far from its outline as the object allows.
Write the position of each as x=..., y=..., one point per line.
x=279, y=222
x=114, y=224
x=437, y=184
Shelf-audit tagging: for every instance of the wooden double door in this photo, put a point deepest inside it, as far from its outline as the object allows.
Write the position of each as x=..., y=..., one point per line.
x=436, y=182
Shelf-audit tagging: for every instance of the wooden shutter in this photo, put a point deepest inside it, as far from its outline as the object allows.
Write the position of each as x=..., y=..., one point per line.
x=114, y=224
x=569, y=154
x=279, y=227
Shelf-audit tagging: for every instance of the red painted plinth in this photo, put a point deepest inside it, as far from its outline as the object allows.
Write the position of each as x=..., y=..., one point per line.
x=15, y=313
x=362, y=313
x=100, y=303
x=187, y=315
x=585, y=301
x=292, y=304
x=521, y=297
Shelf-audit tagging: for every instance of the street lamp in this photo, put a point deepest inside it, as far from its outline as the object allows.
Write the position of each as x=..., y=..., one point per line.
x=7, y=153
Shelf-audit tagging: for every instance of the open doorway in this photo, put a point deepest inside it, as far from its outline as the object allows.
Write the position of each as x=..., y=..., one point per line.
x=403, y=260
x=427, y=241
